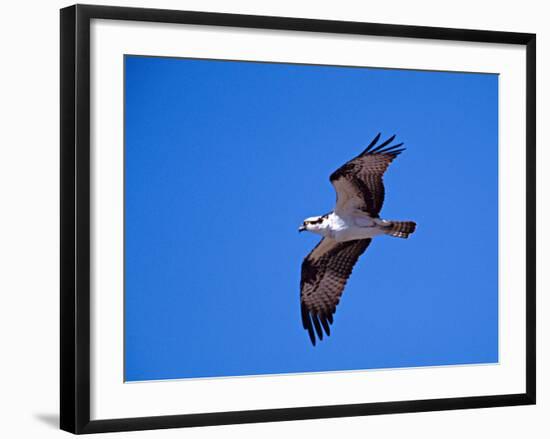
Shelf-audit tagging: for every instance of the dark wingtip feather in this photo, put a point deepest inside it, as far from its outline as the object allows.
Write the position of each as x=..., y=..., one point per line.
x=317, y=326
x=311, y=335
x=306, y=323
x=391, y=148
x=315, y=323
x=372, y=143
x=387, y=142
x=325, y=324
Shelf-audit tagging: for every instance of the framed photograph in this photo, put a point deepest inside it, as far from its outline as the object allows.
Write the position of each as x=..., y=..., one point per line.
x=196, y=146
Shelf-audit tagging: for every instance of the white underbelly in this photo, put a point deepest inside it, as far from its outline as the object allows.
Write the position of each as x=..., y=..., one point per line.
x=357, y=225
x=353, y=232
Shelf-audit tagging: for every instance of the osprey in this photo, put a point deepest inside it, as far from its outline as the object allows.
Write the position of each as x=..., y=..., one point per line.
x=346, y=232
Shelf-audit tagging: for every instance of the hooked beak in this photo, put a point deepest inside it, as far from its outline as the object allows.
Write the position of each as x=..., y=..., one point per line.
x=302, y=228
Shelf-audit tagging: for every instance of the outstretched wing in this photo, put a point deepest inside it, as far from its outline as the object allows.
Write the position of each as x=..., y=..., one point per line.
x=359, y=183
x=325, y=272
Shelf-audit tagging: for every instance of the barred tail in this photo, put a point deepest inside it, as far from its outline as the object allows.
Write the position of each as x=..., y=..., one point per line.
x=401, y=229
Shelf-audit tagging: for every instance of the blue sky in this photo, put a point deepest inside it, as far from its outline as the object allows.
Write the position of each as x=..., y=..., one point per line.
x=223, y=161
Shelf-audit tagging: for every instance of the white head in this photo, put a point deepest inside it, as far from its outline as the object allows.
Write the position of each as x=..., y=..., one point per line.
x=315, y=224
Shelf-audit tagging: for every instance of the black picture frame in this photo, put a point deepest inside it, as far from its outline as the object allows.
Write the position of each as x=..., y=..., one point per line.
x=75, y=217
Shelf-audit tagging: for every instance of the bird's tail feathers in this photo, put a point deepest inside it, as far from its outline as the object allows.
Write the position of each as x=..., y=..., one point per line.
x=401, y=229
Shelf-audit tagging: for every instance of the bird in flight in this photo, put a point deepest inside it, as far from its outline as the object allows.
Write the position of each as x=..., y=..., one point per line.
x=346, y=232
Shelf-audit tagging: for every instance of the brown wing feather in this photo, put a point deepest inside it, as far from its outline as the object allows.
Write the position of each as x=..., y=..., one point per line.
x=325, y=272
x=359, y=182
